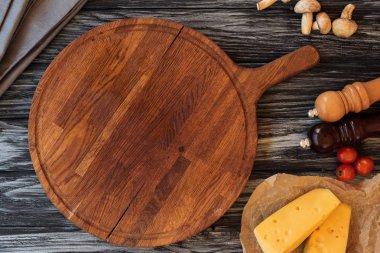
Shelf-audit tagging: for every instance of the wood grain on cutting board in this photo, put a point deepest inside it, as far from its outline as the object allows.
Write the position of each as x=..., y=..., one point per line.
x=141, y=133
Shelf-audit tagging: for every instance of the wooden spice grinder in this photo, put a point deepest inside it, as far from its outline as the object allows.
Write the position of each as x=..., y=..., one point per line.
x=143, y=131
x=331, y=106
x=349, y=131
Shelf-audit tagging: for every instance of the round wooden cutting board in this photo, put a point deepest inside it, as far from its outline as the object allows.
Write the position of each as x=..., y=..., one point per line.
x=143, y=131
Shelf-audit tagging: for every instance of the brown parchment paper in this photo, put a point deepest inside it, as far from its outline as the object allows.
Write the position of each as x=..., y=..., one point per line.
x=280, y=189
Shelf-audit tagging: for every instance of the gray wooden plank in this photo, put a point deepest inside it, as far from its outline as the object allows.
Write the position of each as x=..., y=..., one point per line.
x=30, y=223
x=246, y=35
x=278, y=147
x=249, y=40
x=199, y=4
x=213, y=241
x=169, y=4
x=291, y=99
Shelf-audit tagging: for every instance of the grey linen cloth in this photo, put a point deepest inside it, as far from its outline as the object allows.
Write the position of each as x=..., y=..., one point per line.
x=43, y=21
x=4, y=5
x=13, y=16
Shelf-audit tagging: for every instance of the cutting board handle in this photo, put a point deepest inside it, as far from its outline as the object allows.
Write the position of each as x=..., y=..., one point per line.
x=255, y=81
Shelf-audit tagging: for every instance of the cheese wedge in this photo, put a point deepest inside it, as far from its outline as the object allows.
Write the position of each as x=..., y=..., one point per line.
x=332, y=235
x=286, y=229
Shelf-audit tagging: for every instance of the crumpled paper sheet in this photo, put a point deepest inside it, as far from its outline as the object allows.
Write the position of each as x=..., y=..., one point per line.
x=278, y=190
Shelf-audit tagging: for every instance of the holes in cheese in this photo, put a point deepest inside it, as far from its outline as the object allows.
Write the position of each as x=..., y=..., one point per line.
x=295, y=221
x=332, y=236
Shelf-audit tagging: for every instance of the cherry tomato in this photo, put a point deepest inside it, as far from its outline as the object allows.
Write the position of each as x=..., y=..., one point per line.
x=345, y=172
x=347, y=155
x=364, y=165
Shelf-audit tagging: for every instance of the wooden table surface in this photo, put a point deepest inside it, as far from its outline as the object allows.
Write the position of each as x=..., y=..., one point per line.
x=30, y=223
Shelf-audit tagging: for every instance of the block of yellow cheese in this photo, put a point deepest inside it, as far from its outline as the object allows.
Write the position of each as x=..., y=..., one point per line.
x=287, y=228
x=332, y=235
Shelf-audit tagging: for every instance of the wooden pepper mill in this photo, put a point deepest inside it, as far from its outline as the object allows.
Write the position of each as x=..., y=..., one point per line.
x=331, y=106
x=350, y=131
